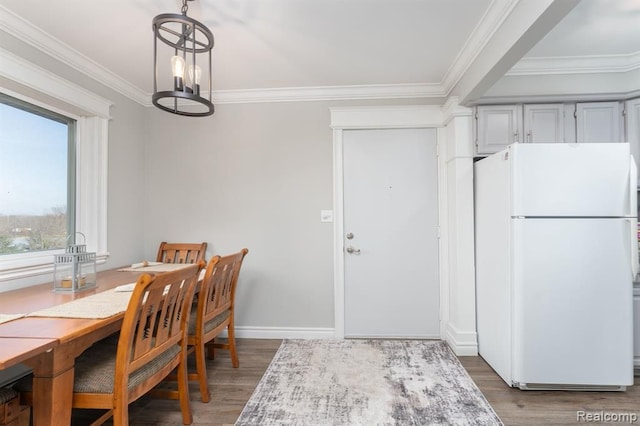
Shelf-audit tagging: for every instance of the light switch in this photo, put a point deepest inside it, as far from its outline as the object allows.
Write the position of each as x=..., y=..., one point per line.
x=326, y=215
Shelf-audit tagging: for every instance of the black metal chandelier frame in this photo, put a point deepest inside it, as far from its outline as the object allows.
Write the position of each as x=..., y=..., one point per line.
x=192, y=40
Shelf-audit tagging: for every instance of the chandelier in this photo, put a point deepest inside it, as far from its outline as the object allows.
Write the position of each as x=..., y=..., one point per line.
x=184, y=46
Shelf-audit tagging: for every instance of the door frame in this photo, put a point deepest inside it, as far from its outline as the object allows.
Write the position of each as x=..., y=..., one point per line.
x=390, y=117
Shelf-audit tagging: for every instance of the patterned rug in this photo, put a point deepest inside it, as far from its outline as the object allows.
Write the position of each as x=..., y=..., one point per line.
x=366, y=382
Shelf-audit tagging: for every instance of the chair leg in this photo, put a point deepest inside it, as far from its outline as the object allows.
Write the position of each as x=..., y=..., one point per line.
x=232, y=345
x=120, y=415
x=201, y=368
x=183, y=391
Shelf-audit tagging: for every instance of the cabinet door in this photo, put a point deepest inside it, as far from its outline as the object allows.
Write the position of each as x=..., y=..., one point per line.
x=599, y=122
x=632, y=110
x=544, y=123
x=497, y=126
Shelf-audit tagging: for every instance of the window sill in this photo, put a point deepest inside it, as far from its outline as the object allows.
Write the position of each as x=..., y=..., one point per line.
x=37, y=264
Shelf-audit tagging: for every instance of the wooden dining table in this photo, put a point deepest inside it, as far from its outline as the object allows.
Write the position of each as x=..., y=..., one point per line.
x=49, y=345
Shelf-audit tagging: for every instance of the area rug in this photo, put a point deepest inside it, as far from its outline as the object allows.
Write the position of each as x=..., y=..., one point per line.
x=366, y=382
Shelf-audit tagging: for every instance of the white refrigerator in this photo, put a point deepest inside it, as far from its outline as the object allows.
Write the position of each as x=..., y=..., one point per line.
x=556, y=255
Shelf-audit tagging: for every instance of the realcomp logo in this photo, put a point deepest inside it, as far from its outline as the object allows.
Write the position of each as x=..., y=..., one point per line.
x=604, y=416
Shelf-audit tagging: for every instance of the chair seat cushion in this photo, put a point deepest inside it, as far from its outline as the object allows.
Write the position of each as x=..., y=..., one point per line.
x=7, y=394
x=95, y=369
x=209, y=325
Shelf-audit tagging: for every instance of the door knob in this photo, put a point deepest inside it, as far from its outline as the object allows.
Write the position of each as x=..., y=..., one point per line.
x=351, y=249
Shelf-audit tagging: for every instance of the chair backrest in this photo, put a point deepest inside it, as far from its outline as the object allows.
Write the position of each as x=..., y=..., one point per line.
x=218, y=288
x=181, y=252
x=154, y=328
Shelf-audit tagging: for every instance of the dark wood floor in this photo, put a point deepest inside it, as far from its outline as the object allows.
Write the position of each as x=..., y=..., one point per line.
x=517, y=407
x=232, y=388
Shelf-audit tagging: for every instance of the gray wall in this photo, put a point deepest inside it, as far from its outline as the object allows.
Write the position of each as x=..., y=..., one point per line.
x=252, y=176
x=255, y=176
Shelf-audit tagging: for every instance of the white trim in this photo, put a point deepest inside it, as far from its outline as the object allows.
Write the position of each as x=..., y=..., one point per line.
x=462, y=344
x=452, y=109
x=443, y=225
x=328, y=93
x=338, y=232
x=92, y=156
x=541, y=99
x=386, y=117
x=576, y=65
x=493, y=18
x=45, y=42
x=18, y=70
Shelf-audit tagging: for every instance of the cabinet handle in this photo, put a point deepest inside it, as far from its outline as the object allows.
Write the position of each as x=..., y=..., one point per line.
x=515, y=136
x=529, y=136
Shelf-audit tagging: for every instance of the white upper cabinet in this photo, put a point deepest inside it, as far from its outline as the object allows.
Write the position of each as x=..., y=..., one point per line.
x=599, y=122
x=544, y=123
x=500, y=125
x=497, y=126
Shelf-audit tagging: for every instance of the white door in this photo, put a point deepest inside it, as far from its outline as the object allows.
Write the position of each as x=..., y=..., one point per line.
x=391, y=286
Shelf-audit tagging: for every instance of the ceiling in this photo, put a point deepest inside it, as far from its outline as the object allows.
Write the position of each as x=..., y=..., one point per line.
x=302, y=44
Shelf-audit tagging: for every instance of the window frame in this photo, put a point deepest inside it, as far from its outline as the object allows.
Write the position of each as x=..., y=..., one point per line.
x=29, y=83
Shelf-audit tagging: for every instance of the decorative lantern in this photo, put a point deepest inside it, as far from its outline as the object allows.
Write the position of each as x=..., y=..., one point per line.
x=75, y=270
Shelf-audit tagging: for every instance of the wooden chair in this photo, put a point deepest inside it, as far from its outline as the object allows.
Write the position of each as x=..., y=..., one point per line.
x=152, y=343
x=181, y=252
x=211, y=314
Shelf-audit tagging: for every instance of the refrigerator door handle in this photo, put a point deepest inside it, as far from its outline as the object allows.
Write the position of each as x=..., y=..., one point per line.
x=633, y=237
x=633, y=187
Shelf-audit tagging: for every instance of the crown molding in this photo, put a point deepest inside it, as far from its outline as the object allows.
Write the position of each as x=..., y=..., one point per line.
x=16, y=69
x=576, y=65
x=34, y=36
x=490, y=22
x=328, y=93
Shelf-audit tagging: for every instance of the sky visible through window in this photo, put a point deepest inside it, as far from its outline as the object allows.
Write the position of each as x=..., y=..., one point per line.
x=33, y=163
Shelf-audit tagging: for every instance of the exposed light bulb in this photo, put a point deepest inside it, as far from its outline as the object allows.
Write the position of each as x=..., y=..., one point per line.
x=177, y=68
x=194, y=78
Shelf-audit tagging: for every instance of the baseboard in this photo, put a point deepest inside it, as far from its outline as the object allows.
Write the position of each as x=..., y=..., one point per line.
x=247, y=332
x=462, y=343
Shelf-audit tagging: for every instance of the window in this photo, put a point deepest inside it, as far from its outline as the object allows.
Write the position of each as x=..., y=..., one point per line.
x=37, y=177
x=49, y=92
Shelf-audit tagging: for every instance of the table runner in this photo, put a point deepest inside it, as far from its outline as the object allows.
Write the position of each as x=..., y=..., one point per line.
x=97, y=306
x=162, y=267
x=9, y=317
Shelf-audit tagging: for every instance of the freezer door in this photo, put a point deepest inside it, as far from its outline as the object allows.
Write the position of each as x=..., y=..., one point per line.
x=572, y=295
x=572, y=180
